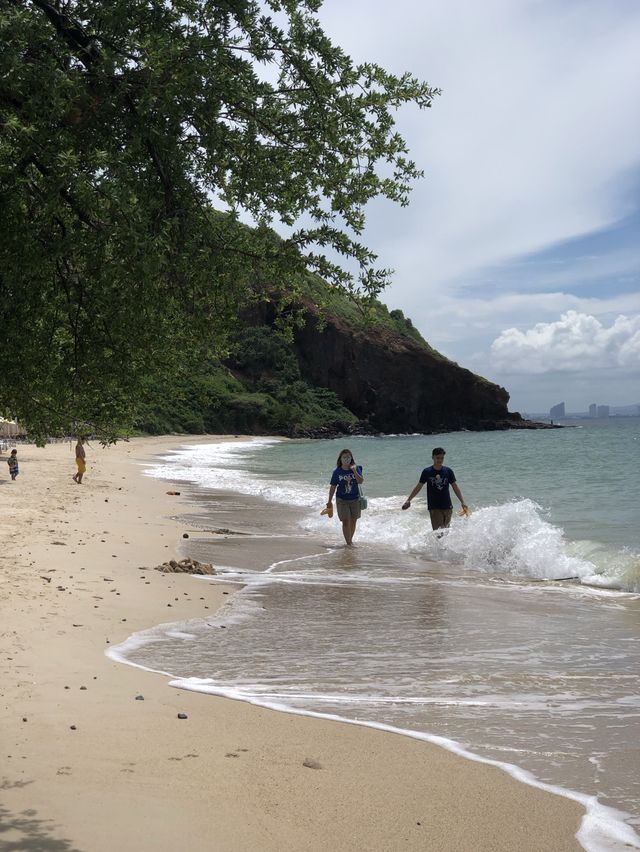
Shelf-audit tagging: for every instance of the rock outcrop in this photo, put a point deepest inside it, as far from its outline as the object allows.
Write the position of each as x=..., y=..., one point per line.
x=397, y=384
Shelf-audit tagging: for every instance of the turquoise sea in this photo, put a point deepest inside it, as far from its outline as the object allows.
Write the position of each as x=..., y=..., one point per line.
x=513, y=639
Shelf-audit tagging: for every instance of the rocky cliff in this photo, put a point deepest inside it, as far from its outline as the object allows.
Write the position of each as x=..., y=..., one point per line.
x=394, y=382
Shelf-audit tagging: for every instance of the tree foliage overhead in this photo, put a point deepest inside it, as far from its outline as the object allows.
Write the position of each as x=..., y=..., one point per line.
x=135, y=134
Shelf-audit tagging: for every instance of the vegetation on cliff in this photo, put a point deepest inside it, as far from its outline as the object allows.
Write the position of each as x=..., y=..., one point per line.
x=259, y=389
x=259, y=386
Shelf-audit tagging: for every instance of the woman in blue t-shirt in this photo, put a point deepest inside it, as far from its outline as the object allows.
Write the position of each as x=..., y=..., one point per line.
x=345, y=480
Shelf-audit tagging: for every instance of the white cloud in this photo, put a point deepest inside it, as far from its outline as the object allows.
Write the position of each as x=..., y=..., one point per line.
x=576, y=342
x=531, y=144
x=461, y=328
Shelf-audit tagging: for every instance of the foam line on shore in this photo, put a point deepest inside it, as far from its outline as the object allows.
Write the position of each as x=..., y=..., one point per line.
x=602, y=828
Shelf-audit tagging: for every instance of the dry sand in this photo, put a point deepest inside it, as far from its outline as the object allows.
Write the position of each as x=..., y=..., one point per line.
x=86, y=766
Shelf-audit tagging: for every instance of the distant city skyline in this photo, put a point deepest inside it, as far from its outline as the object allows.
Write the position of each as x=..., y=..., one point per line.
x=593, y=410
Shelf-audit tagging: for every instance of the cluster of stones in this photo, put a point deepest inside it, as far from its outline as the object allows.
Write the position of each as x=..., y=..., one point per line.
x=186, y=566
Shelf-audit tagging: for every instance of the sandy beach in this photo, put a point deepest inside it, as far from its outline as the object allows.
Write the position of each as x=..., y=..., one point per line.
x=94, y=756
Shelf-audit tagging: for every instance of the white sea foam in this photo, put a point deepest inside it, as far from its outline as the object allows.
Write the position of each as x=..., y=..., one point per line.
x=509, y=539
x=227, y=467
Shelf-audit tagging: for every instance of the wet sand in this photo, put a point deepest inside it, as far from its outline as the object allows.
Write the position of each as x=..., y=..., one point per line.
x=87, y=764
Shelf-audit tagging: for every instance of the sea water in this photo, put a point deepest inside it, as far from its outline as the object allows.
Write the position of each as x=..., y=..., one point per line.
x=514, y=638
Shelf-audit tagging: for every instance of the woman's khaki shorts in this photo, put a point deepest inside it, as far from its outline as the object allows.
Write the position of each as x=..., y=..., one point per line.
x=348, y=510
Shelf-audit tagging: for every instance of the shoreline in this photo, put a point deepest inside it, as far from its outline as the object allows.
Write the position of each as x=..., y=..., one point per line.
x=231, y=775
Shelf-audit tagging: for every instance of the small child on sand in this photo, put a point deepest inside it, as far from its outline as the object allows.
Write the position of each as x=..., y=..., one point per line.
x=12, y=461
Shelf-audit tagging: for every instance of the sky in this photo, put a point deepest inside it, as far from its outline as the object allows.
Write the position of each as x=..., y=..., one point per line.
x=518, y=256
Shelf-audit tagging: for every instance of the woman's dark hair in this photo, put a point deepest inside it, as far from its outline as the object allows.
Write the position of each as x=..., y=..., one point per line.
x=341, y=453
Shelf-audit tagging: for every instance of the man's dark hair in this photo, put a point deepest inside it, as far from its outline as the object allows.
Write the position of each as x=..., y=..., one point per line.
x=437, y=451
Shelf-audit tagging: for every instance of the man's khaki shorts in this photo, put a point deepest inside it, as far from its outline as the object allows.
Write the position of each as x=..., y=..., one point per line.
x=348, y=510
x=440, y=518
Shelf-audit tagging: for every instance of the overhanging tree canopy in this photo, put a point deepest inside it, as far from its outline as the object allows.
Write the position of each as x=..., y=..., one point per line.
x=135, y=133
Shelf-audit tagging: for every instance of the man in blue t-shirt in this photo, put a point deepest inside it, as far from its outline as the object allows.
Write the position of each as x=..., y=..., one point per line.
x=438, y=478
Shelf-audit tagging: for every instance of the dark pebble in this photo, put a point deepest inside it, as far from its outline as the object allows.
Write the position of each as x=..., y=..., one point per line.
x=139, y=697
x=83, y=687
x=182, y=716
x=73, y=728
x=24, y=718
x=185, y=535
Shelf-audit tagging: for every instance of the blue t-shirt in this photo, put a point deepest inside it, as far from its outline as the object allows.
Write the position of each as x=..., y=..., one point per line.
x=438, y=482
x=347, y=487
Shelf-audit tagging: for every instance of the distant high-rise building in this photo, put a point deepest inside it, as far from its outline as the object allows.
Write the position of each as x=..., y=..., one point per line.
x=557, y=411
x=603, y=411
x=593, y=410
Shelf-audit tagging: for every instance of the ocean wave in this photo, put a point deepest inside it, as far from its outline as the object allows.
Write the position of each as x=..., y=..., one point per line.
x=515, y=538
